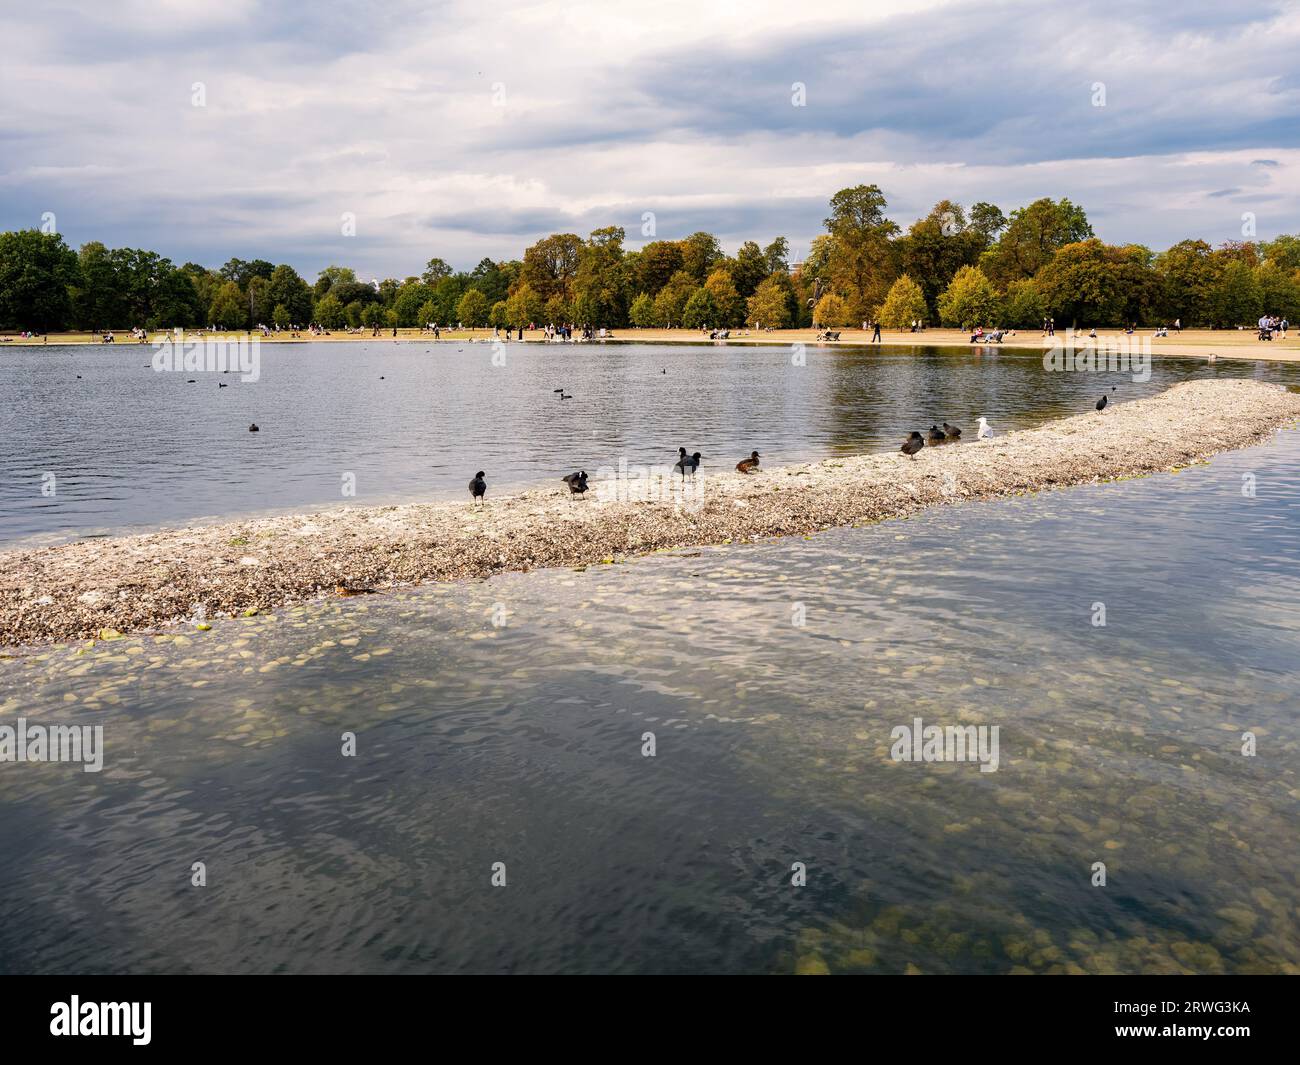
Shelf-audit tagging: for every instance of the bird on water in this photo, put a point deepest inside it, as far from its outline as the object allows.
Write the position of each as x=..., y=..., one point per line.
x=912, y=445
x=749, y=465
x=478, y=486
x=253, y=428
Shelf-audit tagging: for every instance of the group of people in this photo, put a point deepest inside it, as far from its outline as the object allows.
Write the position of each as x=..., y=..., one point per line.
x=1272, y=324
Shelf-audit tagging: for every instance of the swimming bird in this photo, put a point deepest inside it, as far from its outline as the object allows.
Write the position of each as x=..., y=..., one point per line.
x=577, y=482
x=748, y=465
x=936, y=435
x=912, y=445
x=952, y=431
x=253, y=428
x=559, y=391
x=1101, y=403
x=478, y=486
x=687, y=463
x=984, y=432
x=563, y=396
x=222, y=384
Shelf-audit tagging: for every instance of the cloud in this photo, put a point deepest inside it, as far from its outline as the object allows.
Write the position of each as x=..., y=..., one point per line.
x=464, y=130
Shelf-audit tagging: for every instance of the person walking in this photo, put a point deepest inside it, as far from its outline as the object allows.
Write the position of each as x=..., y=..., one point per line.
x=875, y=336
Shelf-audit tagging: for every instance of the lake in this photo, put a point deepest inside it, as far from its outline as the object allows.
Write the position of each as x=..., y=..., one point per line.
x=523, y=743
x=133, y=449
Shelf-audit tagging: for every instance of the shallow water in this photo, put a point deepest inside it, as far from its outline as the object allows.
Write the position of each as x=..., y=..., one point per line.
x=133, y=449
x=522, y=744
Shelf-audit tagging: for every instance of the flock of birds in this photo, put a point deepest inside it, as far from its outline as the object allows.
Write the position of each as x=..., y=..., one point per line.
x=690, y=463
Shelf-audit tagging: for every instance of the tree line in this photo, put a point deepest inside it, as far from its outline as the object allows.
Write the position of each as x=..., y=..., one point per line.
x=953, y=267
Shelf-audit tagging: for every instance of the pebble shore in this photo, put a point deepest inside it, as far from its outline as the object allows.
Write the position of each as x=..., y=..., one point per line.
x=103, y=587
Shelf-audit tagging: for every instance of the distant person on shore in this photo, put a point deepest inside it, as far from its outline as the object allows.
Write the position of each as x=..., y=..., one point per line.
x=875, y=336
x=1051, y=327
x=1178, y=326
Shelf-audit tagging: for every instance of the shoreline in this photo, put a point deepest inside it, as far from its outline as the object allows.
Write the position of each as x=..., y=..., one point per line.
x=1191, y=343
x=153, y=580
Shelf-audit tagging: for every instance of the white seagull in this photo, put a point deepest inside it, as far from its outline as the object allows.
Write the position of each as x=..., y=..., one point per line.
x=984, y=432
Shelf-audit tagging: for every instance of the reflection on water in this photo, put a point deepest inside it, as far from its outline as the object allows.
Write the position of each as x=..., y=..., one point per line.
x=132, y=448
x=522, y=744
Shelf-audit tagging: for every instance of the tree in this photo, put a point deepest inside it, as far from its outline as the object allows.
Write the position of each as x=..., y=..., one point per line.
x=777, y=255
x=372, y=315
x=987, y=220
x=859, y=260
x=1088, y=282
x=969, y=300
x=904, y=304
x=600, y=286
x=1187, y=273
x=1032, y=236
x=228, y=310
x=642, y=314
x=700, y=253
x=769, y=306
x=428, y=313
x=937, y=246
x=241, y=272
x=498, y=317
x=700, y=311
x=281, y=316
x=329, y=311
x=728, y=301
x=1284, y=252
x=37, y=270
x=524, y=307
x=472, y=309
x=831, y=310
x=670, y=304
x=750, y=269
x=408, y=301
x=1022, y=307
x=551, y=264
x=656, y=264
x=1235, y=299
x=287, y=289
x=435, y=271
x=331, y=276
x=1279, y=289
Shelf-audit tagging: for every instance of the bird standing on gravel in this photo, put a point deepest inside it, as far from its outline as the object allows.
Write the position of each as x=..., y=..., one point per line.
x=687, y=463
x=912, y=445
x=936, y=436
x=749, y=465
x=1101, y=403
x=951, y=431
x=577, y=482
x=478, y=486
x=984, y=432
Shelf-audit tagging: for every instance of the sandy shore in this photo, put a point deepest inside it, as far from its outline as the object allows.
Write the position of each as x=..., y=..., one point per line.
x=1192, y=343
x=148, y=581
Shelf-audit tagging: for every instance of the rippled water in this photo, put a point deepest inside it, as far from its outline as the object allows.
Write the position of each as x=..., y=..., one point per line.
x=522, y=744
x=131, y=448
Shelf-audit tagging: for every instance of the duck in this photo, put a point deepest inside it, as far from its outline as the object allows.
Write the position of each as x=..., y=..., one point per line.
x=688, y=463
x=478, y=486
x=952, y=432
x=983, y=432
x=222, y=384
x=253, y=428
x=563, y=396
x=577, y=482
x=749, y=465
x=936, y=435
x=912, y=445
x=1101, y=403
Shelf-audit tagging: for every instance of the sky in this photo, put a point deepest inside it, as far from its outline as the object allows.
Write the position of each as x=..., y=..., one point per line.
x=205, y=130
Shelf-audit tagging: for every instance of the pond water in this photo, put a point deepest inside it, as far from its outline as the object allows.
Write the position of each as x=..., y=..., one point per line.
x=522, y=743
x=130, y=448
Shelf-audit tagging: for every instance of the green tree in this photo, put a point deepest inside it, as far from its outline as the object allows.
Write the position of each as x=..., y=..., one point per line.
x=525, y=307
x=728, y=301
x=969, y=300
x=551, y=264
x=750, y=269
x=859, y=259
x=435, y=271
x=228, y=310
x=472, y=309
x=287, y=289
x=670, y=304
x=281, y=316
x=1279, y=289
x=777, y=255
x=329, y=311
x=700, y=311
x=769, y=306
x=372, y=315
x=1031, y=237
x=498, y=317
x=1090, y=283
x=600, y=285
x=700, y=253
x=408, y=301
x=904, y=304
x=936, y=247
x=1235, y=299
x=642, y=314
x=656, y=264
x=1187, y=273
x=1022, y=307
x=331, y=276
